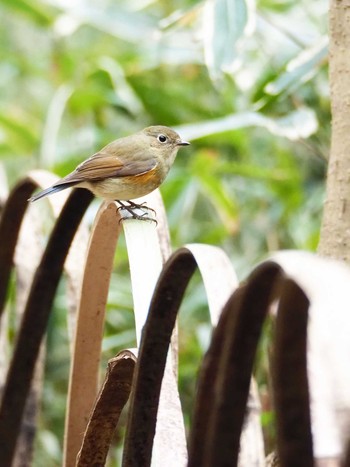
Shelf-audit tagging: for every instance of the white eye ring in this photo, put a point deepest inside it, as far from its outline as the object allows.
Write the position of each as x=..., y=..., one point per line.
x=162, y=138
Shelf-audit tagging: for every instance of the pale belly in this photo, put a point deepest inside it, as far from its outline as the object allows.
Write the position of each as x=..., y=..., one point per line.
x=124, y=188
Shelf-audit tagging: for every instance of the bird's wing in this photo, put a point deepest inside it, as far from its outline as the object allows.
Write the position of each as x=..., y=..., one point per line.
x=102, y=165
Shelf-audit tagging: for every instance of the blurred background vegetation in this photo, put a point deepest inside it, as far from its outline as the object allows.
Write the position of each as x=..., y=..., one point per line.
x=244, y=80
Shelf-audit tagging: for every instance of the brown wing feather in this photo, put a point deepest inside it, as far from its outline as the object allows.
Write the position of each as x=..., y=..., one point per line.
x=102, y=165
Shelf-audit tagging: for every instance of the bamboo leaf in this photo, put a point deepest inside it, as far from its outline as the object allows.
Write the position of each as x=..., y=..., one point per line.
x=300, y=69
x=300, y=123
x=225, y=22
x=35, y=10
x=130, y=26
x=215, y=190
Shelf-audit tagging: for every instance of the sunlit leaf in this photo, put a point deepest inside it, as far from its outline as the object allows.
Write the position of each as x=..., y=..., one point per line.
x=35, y=10
x=255, y=171
x=22, y=132
x=123, y=90
x=179, y=17
x=204, y=170
x=224, y=24
x=52, y=124
x=300, y=69
x=130, y=26
x=300, y=123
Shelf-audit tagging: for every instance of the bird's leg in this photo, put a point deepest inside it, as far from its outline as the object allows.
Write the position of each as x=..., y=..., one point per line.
x=130, y=208
x=139, y=206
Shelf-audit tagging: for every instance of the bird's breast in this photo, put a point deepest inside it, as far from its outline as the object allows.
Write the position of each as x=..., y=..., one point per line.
x=125, y=188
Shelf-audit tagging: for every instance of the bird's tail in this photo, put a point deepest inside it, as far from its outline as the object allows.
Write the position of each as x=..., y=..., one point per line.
x=50, y=191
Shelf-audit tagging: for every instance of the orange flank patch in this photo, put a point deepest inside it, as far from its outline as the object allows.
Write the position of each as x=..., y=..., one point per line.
x=151, y=177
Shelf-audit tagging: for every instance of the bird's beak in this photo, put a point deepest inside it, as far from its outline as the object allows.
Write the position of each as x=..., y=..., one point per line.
x=182, y=143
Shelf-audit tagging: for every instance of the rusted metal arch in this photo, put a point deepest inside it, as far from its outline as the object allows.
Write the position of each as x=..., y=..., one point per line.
x=10, y=223
x=290, y=379
x=39, y=301
x=155, y=342
x=227, y=369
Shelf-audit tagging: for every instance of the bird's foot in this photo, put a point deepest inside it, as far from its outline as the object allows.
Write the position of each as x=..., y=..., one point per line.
x=139, y=206
x=131, y=207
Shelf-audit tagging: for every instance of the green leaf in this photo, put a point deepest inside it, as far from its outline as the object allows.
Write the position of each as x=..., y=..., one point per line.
x=131, y=26
x=123, y=90
x=225, y=22
x=255, y=172
x=297, y=124
x=300, y=69
x=21, y=131
x=53, y=121
x=204, y=169
x=39, y=13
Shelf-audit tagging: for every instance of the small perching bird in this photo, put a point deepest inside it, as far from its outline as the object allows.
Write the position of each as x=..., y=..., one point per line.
x=125, y=169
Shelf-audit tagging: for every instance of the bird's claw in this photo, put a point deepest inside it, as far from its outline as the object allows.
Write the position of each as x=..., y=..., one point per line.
x=130, y=209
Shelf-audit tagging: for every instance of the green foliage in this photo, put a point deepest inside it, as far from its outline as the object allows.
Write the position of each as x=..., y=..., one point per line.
x=245, y=81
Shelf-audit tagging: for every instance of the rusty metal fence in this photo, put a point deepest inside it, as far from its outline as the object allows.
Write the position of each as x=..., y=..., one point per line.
x=226, y=429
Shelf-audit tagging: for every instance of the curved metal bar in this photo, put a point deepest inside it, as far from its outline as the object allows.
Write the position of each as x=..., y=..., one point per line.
x=346, y=461
x=240, y=331
x=206, y=384
x=84, y=371
x=10, y=223
x=110, y=401
x=290, y=380
x=35, y=319
x=12, y=217
x=150, y=366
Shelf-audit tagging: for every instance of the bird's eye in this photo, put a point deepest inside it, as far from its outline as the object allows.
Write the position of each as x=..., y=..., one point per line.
x=162, y=138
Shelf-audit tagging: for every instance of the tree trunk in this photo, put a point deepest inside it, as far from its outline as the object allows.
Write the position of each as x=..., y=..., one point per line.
x=335, y=230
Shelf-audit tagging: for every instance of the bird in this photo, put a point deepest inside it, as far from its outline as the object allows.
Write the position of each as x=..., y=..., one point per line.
x=127, y=168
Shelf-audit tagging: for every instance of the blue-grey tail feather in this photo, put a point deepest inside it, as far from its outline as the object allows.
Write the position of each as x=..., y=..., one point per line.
x=49, y=191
